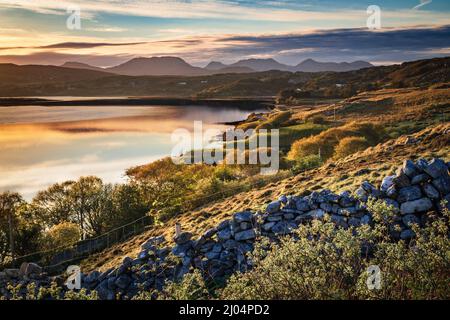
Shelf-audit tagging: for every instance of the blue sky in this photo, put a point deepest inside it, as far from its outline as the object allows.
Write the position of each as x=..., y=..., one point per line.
x=204, y=30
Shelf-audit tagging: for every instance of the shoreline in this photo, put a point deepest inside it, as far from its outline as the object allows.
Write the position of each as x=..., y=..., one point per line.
x=244, y=103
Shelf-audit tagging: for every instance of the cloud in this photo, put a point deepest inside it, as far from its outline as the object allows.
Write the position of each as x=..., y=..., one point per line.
x=345, y=44
x=389, y=44
x=76, y=45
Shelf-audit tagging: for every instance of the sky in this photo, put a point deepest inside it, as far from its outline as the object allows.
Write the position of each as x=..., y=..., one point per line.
x=199, y=31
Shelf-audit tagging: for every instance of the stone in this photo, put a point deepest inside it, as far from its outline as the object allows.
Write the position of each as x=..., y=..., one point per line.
x=410, y=169
x=421, y=164
x=316, y=214
x=387, y=183
x=283, y=228
x=430, y=191
x=436, y=168
x=302, y=205
x=209, y=233
x=29, y=268
x=288, y=216
x=149, y=244
x=346, y=201
x=366, y=219
x=273, y=207
x=123, y=281
x=407, y=234
x=267, y=226
x=420, y=178
x=347, y=211
x=393, y=204
x=409, y=194
x=12, y=273
x=442, y=184
x=224, y=234
x=230, y=244
x=392, y=192
x=183, y=237
x=245, y=216
x=327, y=207
x=401, y=180
x=410, y=219
x=210, y=255
x=361, y=194
x=223, y=225
x=339, y=220
x=245, y=235
x=274, y=217
x=245, y=225
x=182, y=250
x=92, y=277
x=354, y=222
x=283, y=199
x=416, y=206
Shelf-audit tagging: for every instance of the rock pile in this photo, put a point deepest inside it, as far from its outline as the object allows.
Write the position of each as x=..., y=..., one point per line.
x=417, y=188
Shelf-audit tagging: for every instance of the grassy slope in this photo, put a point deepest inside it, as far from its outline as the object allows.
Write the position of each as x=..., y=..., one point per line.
x=394, y=108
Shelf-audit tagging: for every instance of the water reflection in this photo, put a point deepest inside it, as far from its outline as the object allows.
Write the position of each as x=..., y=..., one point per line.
x=43, y=145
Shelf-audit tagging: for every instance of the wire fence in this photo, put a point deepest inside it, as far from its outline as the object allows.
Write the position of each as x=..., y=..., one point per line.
x=56, y=258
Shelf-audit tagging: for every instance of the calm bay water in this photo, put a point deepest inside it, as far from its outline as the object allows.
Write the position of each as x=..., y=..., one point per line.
x=43, y=145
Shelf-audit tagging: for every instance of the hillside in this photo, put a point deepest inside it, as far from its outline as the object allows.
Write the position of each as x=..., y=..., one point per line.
x=412, y=119
x=53, y=81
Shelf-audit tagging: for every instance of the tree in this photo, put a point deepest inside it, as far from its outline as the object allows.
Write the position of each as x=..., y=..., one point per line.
x=91, y=202
x=60, y=235
x=9, y=206
x=53, y=206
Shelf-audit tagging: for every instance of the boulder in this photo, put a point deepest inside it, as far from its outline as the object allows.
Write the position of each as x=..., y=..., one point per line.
x=436, y=168
x=302, y=205
x=267, y=226
x=387, y=183
x=407, y=234
x=416, y=206
x=315, y=214
x=410, y=169
x=183, y=237
x=245, y=216
x=410, y=219
x=123, y=281
x=273, y=207
x=409, y=194
x=442, y=184
x=430, y=191
x=149, y=244
x=224, y=234
x=401, y=180
x=283, y=227
x=245, y=235
x=420, y=178
x=29, y=268
x=339, y=221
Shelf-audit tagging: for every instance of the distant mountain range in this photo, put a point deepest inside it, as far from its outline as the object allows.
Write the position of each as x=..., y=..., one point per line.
x=75, y=79
x=174, y=66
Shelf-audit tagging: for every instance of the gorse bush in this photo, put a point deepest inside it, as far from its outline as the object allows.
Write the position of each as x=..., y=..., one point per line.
x=326, y=142
x=350, y=145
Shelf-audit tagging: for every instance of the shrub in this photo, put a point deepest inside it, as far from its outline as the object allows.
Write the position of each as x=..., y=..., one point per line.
x=60, y=235
x=350, y=145
x=326, y=142
x=318, y=120
x=325, y=262
x=308, y=162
